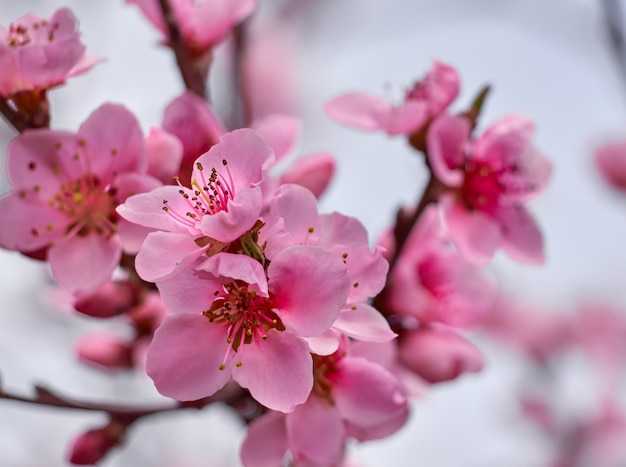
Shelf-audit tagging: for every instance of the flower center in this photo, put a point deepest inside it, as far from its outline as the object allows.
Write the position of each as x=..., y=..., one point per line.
x=435, y=274
x=20, y=35
x=90, y=205
x=482, y=186
x=324, y=370
x=247, y=314
x=207, y=196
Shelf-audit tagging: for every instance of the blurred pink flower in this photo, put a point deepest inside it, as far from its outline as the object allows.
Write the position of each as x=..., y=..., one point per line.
x=66, y=187
x=610, y=161
x=427, y=99
x=37, y=54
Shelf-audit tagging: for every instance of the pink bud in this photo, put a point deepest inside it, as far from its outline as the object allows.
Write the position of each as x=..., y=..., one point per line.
x=439, y=354
x=165, y=154
x=90, y=447
x=105, y=351
x=112, y=299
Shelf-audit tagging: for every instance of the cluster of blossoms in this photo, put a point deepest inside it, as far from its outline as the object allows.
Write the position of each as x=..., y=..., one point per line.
x=230, y=278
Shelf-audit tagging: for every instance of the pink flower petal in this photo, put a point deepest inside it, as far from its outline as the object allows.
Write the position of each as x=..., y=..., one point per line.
x=310, y=286
x=314, y=172
x=165, y=154
x=265, y=444
x=366, y=394
x=446, y=140
x=188, y=291
x=365, y=323
x=324, y=344
x=163, y=252
x=278, y=371
x=185, y=356
x=359, y=111
x=280, y=131
x=338, y=229
x=521, y=238
x=83, y=263
x=368, y=271
x=475, y=234
x=610, y=161
x=297, y=207
x=316, y=432
x=236, y=267
x=112, y=142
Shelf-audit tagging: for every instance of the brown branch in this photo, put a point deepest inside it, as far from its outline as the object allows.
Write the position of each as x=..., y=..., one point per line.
x=193, y=67
x=12, y=116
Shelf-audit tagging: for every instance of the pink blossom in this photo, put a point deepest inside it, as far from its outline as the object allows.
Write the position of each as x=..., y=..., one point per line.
x=352, y=398
x=427, y=99
x=491, y=179
x=37, y=54
x=229, y=320
x=203, y=24
x=433, y=283
x=610, y=161
x=91, y=447
x=111, y=299
x=165, y=154
x=293, y=220
x=223, y=202
x=438, y=353
x=105, y=351
x=66, y=187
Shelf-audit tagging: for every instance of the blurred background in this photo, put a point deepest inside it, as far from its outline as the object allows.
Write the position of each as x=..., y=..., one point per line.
x=551, y=60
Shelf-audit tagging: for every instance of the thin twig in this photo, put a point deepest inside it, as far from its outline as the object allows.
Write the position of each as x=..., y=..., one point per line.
x=12, y=117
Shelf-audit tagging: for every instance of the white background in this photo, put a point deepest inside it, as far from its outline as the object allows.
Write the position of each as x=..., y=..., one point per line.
x=547, y=59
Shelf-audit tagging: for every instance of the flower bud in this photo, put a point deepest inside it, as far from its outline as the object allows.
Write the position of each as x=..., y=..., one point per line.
x=112, y=299
x=105, y=351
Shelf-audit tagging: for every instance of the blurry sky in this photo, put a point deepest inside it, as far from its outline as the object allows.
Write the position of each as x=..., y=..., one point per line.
x=547, y=59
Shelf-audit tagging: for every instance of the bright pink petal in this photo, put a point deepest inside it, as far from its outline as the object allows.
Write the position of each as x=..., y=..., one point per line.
x=83, y=263
x=610, y=161
x=446, y=140
x=297, y=207
x=324, y=344
x=310, y=285
x=112, y=142
x=366, y=394
x=316, y=432
x=280, y=131
x=265, y=444
x=185, y=355
x=505, y=141
x=278, y=371
x=163, y=252
x=439, y=354
x=521, y=238
x=365, y=323
x=438, y=89
x=405, y=119
x=313, y=172
x=475, y=234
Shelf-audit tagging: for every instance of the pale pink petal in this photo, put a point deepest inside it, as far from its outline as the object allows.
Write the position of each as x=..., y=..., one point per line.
x=313, y=172
x=446, y=140
x=310, y=286
x=212, y=20
x=104, y=351
x=152, y=11
x=316, y=432
x=131, y=235
x=359, y=111
x=438, y=89
x=188, y=291
x=439, y=354
x=405, y=119
x=324, y=344
x=365, y=323
x=237, y=267
x=505, y=141
x=265, y=444
x=338, y=229
x=381, y=430
x=83, y=263
x=366, y=394
x=112, y=142
x=297, y=207
x=278, y=371
x=86, y=63
x=163, y=252
x=185, y=355
x=367, y=269
x=280, y=131
x=610, y=161
x=521, y=238
x=165, y=154
x=475, y=234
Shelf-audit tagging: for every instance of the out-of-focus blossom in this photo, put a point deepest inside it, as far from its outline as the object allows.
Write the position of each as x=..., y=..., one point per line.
x=427, y=99
x=438, y=353
x=37, y=54
x=112, y=299
x=91, y=447
x=66, y=187
x=105, y=351
x=491, y=180
x=203, y=24
x=611, y=163
x=165, y=154
x=433, y=283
